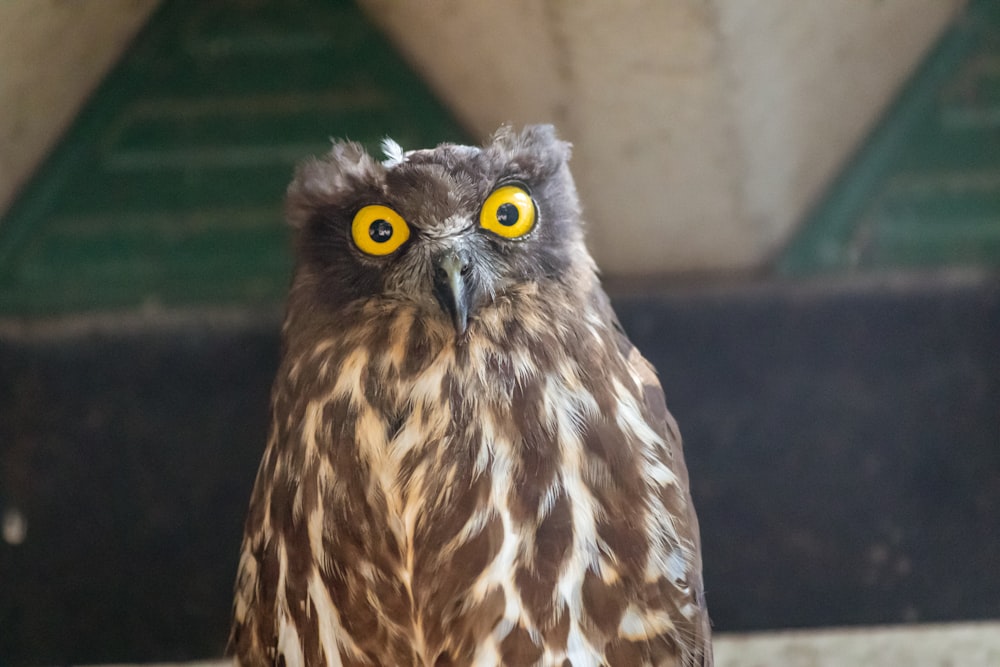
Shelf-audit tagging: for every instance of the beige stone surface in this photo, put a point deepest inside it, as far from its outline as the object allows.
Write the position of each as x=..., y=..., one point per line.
x=807, y=86
x=946, y=645
x=703, y=128
x=52, y=54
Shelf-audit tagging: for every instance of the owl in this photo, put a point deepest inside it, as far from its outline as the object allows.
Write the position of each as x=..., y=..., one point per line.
x=468, y=461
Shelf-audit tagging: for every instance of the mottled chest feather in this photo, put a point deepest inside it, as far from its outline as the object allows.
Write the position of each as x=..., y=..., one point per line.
x=470, y=500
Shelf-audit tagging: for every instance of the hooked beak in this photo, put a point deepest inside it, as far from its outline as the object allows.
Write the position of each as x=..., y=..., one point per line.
x=451, y=289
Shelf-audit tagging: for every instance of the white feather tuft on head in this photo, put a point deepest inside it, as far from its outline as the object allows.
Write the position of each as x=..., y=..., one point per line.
x=394, y=155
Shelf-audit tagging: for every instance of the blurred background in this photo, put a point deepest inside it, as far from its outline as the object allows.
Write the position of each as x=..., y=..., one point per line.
x=795, y=205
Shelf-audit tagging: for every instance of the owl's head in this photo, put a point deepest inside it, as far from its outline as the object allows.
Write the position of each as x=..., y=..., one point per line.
x=451, y=229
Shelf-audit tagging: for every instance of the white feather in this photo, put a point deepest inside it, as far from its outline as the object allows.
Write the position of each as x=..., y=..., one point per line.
x=394, y=155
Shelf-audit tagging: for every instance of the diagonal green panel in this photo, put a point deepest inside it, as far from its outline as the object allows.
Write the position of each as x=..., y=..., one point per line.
x=925, y=189
x=168, y=188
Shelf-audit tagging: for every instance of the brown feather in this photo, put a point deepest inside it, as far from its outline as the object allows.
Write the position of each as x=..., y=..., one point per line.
x=514, y=495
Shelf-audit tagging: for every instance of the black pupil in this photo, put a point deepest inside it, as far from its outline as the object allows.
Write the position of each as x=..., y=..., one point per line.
x=507, y=214
x=380, y=231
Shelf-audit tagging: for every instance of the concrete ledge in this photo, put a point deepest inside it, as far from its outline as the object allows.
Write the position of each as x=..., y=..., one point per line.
x=966, y=644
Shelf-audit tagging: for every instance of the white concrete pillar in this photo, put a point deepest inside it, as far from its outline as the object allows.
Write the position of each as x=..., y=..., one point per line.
x=703, y=128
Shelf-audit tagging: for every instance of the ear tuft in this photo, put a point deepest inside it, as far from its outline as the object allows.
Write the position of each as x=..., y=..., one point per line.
x=321, y=182
x=539, y=141
x=544, y=138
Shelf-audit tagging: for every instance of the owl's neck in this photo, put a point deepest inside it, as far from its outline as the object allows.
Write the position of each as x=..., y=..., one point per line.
x=392, y=351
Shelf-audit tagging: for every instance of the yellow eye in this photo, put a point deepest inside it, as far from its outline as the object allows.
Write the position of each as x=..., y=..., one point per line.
x=509, y=211
x=378, y=230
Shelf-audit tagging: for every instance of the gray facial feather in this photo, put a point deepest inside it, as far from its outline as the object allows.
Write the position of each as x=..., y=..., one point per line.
x=439, y=192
